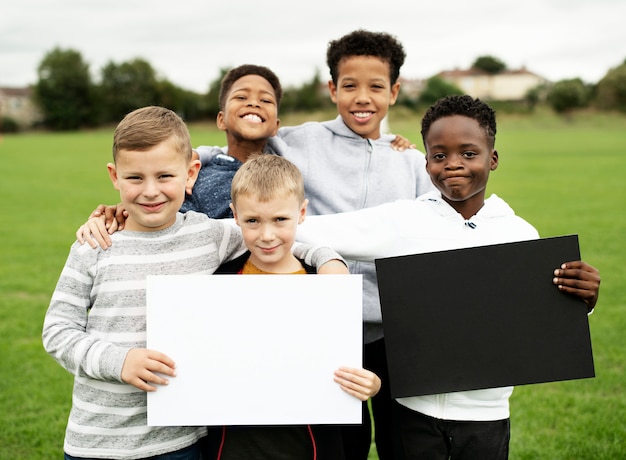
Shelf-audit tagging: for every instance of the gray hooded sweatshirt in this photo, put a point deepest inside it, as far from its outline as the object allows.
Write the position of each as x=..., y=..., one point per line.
x=346, y=172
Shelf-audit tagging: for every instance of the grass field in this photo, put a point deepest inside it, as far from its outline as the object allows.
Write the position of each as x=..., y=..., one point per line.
x=562, y=176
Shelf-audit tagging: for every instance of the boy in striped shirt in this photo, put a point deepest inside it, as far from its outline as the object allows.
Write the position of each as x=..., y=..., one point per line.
x=95, y=326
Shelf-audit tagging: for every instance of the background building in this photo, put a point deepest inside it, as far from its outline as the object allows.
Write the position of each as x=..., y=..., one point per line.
x=507, y=85
x=17, y=104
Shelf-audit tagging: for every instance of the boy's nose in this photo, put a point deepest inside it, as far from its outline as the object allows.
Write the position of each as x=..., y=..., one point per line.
x=150, y=188
x=362, y=95
x=267, y=233
x=454, y=162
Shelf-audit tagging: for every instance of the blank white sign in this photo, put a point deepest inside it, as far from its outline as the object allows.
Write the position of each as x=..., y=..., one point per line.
x=255, y=349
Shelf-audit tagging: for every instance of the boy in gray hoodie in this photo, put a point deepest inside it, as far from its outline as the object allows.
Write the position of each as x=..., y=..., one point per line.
x=349, y=164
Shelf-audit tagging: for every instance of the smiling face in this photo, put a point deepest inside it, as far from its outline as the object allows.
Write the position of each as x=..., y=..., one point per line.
x=459, y=158
x=152, y=184
x=363, y=93
x=269, y=229
x=250, y=111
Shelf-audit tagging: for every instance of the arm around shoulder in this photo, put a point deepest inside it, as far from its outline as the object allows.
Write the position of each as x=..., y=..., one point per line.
x=326, y=260
x=206, y=153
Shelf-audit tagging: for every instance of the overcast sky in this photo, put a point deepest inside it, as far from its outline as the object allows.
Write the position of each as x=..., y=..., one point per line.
x=189, y=41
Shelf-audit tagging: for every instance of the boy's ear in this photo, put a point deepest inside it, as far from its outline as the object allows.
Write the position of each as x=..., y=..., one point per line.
x=113, y=175
x=303, y=211
x=277, y=126
x=395, y=90
x=494, y=160
x=192, y=175
x=332, y=88
x=219, y=121
x=232, y=208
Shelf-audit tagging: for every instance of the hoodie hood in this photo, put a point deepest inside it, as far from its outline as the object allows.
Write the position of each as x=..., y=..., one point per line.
x=494, y=207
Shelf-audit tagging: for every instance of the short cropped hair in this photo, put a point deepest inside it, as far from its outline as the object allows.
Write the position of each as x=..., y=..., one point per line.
x=466, y=106
x=267, y=176
x=236, y=73
x=147, y=127
x=365, y=43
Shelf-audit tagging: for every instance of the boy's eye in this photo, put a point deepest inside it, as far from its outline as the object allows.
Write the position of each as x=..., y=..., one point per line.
x=469, y=153
x=438, y=156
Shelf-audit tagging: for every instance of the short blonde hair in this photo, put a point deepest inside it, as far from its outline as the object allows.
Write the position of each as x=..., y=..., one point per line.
x=144, y=128
x=267, y=176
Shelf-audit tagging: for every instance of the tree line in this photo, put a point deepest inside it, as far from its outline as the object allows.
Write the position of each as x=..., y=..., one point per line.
x=69, y=98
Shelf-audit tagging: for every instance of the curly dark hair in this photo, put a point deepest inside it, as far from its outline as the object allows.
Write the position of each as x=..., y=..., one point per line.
x=462, y=105
x=365, y=43
x=236, y=73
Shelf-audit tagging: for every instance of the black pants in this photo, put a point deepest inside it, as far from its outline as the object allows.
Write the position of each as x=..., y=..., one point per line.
x=358, y=438
x=419, y=436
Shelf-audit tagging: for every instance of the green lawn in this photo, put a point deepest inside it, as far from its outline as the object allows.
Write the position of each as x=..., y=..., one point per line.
x=562, y=176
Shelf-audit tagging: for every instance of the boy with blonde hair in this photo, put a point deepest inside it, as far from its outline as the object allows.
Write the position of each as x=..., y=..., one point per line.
x=95, y=326
x=268, y=203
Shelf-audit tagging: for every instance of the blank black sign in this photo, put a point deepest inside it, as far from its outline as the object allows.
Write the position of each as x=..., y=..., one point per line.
x=482, y=317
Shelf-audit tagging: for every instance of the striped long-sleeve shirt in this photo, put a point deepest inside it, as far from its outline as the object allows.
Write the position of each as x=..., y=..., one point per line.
x=98, y=313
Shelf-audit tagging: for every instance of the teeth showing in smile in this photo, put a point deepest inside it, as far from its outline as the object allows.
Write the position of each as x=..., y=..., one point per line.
x=362, y=114
x=253, y=118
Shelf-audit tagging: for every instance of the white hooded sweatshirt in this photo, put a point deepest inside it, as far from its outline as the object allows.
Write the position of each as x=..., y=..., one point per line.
x=426, y=224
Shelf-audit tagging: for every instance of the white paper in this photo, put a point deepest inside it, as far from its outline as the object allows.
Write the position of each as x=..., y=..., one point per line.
x=255, y=349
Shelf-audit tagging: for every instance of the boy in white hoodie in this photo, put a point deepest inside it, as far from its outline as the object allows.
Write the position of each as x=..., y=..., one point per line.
x=459, y=137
